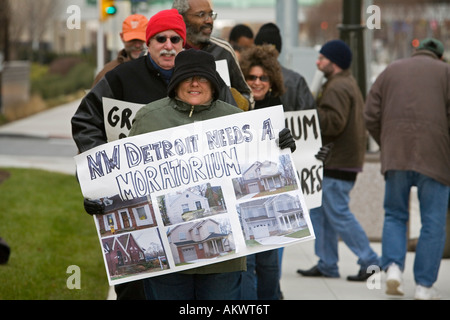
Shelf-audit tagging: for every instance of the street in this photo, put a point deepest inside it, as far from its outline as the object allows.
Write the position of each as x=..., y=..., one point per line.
x=31, y=146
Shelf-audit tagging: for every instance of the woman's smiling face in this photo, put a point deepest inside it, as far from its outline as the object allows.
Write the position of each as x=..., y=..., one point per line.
x=195, y=91
x=257, y=79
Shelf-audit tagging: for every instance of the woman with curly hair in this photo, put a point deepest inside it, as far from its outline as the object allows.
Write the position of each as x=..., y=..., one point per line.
x=263, y=74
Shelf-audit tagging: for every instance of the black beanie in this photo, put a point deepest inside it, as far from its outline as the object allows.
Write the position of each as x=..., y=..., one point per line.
x=191, y=63
x=269, y=33
x=337, y=51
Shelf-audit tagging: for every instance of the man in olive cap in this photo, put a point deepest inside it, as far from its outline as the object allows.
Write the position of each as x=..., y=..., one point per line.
x=408, y=114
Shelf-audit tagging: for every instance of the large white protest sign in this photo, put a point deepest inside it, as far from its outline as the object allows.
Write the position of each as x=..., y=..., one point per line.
x=305, y=128
x=304, y=125
x=194, y=195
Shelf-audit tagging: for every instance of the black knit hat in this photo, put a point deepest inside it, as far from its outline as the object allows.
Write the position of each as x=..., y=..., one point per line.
x=269, y=33
x=337, y=51
x=191, y=63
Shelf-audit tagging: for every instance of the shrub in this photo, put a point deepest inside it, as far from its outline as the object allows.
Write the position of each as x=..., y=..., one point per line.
x=50, y=85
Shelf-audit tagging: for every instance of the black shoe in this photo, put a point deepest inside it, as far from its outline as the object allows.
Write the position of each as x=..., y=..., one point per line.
x=313, y=272
x=362, y=275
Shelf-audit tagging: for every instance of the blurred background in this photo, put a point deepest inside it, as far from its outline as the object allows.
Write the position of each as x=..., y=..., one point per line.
x=51, y=49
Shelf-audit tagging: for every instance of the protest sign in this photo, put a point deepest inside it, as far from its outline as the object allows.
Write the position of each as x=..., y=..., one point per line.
x=194, y=195
x=118, y=117
x=222, y=69
x=305, y=129
x=304, y=125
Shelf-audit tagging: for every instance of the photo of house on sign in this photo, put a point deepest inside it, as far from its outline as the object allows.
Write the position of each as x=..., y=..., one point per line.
x=273, y=220
x=196, y=241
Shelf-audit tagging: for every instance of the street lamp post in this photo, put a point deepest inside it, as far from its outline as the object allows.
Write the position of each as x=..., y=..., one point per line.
x=352, y=33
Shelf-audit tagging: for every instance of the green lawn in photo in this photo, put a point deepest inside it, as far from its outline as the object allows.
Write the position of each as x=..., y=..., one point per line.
x=43, y=220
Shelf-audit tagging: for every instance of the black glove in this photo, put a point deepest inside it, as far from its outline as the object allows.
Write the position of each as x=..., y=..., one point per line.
x=94, y=206
x=5, y=251
x=286, y=140
x=324, y=152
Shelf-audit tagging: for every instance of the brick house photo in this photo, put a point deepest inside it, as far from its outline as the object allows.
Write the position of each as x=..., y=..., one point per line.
x=125, y=216
x=122, y=252
x=205, y=239
x=134, y=253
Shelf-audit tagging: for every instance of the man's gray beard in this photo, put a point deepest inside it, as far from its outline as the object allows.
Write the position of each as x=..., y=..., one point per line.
x=196, y=37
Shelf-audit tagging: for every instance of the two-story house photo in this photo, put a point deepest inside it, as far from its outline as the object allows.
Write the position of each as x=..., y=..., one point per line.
x=205, y=239
x=272, y=216
x=265, y=177
x=125, y=216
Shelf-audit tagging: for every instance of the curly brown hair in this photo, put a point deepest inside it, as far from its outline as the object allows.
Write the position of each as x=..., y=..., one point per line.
x=266, y=57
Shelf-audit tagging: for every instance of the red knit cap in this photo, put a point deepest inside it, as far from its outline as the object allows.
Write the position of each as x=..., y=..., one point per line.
x=166, y=20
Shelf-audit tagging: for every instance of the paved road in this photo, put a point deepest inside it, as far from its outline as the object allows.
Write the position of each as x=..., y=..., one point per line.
x=33, y=146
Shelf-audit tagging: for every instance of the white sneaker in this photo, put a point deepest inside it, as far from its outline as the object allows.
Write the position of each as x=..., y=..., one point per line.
x=424, y=293
x=394, y=281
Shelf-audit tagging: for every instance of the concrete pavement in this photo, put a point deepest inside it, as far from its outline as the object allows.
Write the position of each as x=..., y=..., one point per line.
x=55, y=124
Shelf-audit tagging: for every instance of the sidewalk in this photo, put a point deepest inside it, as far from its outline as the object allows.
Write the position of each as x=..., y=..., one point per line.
x=50, y=124
x=55, y=123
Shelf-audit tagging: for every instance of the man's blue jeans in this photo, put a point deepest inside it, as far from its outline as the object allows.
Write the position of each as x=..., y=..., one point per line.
x=334, y=219
x=433, y=199
x=179, y=286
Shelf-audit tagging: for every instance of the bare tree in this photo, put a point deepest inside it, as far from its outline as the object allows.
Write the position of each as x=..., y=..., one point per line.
x=31, y=20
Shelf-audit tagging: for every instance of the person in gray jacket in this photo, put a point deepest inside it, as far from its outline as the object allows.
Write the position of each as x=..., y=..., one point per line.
x=407, y=112
x=298, y=96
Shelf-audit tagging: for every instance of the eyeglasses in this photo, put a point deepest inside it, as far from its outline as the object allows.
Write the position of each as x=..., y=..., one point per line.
x=254, y=78
x=197, y=78
x=163, y=39
x=205, y=16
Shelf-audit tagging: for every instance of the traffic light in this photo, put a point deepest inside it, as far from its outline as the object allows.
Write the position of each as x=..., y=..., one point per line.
x=107, y=9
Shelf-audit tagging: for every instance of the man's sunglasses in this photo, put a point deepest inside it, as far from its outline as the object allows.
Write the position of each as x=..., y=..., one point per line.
x=163, y=39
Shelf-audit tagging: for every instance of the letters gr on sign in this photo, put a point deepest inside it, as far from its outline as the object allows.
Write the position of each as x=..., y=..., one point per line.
x=118, y=117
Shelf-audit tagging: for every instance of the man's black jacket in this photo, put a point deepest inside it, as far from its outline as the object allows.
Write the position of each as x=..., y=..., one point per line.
x=136, y=81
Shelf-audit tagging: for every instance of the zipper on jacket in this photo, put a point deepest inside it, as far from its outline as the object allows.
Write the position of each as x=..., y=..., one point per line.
x=192, y=111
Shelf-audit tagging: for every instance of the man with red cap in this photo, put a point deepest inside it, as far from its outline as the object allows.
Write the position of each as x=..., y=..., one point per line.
x=133, y=36
x=138, y=81
x=141, y=81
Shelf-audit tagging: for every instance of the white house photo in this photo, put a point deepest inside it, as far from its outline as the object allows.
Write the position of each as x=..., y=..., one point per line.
x=191, y=204
x=272, y=216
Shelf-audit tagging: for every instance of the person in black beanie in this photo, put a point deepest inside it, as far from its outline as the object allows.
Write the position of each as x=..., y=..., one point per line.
x=241, y=37
x=340, y=107
x=192, y=97
x=298, y=95
x=338, y=52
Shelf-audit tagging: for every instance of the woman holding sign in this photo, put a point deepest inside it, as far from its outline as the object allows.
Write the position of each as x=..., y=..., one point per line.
x=193, y=96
